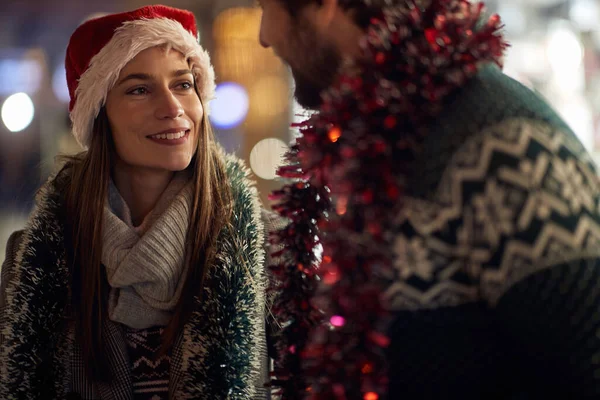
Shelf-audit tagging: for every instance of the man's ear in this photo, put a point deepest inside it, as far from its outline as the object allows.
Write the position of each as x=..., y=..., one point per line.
x=325, y=13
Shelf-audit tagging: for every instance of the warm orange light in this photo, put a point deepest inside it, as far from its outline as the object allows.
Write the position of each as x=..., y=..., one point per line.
x=236, y=23
x=334, y=134
x=342, y=206
x=371, y=396
x=331, y=276
x=269, y=96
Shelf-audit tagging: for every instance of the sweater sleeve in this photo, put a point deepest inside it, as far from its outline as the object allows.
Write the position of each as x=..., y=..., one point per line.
x=553, y=316
x=513, y=227
x=532, y=215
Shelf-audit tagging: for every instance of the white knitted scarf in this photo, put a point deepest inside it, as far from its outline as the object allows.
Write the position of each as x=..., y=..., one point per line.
x=145, y=264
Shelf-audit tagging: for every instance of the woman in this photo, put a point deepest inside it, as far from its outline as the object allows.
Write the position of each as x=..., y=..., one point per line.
x=141, y=271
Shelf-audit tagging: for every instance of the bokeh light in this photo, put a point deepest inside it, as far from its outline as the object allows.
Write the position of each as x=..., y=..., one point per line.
x=267, y=156
x=270, y=96
x=230, y=106
x=59, y=84
x=17, y=112
x=565, y=53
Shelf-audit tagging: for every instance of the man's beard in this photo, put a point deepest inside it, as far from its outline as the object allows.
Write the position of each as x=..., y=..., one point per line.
x=314, y=64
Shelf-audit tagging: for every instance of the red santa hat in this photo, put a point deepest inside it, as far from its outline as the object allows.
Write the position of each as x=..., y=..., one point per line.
x=101, y=47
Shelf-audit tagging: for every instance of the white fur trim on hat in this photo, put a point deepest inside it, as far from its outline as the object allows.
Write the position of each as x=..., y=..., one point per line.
x=127, y=42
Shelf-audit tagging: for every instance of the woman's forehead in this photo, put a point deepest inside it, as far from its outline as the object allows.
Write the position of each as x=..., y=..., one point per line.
x=158, y=55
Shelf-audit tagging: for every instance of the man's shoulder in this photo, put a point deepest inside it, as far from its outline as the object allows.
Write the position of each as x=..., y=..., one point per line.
x=489, y=101
x=516, y=198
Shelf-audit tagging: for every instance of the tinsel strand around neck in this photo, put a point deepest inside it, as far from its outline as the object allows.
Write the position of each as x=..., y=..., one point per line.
x=349, y=169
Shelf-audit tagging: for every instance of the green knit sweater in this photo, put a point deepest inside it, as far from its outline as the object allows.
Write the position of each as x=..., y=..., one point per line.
x=497, y=286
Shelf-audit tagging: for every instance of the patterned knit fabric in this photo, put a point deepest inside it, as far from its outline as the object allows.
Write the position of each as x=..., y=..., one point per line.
x=150, y=376
x=496, y=289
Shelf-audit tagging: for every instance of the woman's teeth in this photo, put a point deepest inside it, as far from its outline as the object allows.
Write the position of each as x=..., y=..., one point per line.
x=169, y=136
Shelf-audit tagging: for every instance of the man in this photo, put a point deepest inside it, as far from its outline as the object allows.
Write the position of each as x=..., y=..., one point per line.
x=459, y=215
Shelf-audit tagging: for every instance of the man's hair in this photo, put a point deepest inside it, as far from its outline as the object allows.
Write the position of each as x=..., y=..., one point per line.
x=361, y=10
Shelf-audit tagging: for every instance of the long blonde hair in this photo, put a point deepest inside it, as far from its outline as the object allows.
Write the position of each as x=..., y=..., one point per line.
x=86, y=194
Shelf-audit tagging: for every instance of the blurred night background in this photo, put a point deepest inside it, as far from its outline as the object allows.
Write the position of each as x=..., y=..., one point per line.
x=555, y=50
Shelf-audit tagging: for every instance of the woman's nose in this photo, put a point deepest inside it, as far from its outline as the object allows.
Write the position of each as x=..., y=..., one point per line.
x=168, y=106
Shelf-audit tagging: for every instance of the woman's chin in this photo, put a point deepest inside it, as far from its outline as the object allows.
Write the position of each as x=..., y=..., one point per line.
x=177, y=166
x=173, y=165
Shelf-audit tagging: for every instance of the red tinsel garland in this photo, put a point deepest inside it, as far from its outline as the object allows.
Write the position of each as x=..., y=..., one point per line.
x=349, y=168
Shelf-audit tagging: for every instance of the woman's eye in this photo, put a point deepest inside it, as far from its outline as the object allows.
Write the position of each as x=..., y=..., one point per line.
x=186, y=85
x=138, y=91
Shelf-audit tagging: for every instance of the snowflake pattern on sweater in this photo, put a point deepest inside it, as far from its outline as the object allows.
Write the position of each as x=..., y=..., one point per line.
x=150, y=374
